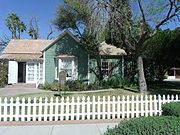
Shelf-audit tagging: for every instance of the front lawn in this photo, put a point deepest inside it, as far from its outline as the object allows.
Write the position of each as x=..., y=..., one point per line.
x=153, y=89
x=107, y=92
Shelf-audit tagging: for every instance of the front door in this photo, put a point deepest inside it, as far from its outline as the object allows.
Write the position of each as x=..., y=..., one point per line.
x=21, y=72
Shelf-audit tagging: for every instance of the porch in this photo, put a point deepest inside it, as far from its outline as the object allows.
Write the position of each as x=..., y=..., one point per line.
x=25, y=72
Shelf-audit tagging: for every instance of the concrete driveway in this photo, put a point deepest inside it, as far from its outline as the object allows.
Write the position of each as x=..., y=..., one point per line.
x=8, y=91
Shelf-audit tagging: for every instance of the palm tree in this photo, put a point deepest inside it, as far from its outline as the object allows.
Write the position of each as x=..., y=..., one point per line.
x=21, y=29
x=33, y=30
x=15, y=25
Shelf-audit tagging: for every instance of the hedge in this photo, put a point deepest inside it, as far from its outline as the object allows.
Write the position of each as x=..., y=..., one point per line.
x=171, y=109
x=157, y=125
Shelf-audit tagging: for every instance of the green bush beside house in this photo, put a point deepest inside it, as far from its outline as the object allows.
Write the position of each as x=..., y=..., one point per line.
x=3, y=74
x=78, y=85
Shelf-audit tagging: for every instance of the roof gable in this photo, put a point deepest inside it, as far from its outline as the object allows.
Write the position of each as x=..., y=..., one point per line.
x=26, y=46
x=66, y=32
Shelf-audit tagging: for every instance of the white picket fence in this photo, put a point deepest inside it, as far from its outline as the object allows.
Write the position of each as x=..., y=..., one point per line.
x=54, y=109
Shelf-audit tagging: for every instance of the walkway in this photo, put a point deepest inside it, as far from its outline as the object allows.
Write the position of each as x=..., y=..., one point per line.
x=57, y=128
x=16, y=91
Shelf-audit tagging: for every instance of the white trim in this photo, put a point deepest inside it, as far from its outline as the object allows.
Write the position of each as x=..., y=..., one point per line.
x=35, y=72
x=26, y=72
x=44, y=60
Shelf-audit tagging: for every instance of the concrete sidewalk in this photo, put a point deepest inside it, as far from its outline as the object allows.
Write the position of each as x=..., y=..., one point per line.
x=69, y=129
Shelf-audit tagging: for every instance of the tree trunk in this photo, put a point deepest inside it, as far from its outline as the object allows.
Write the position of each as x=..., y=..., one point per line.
x=100, y=75
x=141, y=77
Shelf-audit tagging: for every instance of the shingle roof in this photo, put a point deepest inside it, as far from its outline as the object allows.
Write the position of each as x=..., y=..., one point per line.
x=107, y=49
x=23, y=49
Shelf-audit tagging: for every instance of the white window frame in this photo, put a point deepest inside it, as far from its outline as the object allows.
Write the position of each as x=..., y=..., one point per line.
x=35, y=72
x=74, y=69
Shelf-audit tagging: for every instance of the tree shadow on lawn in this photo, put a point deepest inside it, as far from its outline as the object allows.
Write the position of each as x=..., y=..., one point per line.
x=164, y=88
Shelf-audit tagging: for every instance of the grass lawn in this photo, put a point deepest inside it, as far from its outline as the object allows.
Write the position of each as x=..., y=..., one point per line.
x=110, y=92
x=153, y=89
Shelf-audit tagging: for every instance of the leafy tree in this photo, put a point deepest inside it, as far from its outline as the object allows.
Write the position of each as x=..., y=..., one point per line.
x=156, y=13
x=163, y=51
x=3, y=65
x=15, y=25
x=21, y=29
x=72, y=14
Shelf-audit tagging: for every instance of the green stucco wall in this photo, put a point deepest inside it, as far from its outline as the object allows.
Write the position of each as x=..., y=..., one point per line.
x=66, y=45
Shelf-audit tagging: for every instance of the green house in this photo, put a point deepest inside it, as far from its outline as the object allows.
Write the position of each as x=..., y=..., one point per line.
x=40, y=61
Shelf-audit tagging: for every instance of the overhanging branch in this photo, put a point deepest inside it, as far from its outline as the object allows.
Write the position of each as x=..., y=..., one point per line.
x=172, y=12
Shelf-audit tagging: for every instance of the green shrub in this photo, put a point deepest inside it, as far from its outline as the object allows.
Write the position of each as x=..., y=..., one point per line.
x=3, y=74
x=157, y=125
x=76, y=85
x=47, y=86
x=115, y=81
x=171, y=109
x=55, y=86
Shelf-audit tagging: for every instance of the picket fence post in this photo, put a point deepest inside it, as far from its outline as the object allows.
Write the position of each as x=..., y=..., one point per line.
x=72, y=108
x=62, y=109
x=127, y=107
x=51, y=104
x=113, y=107
x=150, y=106
x=93, y=107
x=78, y=108
x=11, y=109
x=88, y=108
x=137, y=106
x=23, y=109
x=123, y=107
x=118, y=107
x=132, y=106
x=40, y=109
x=98, y=107
x=5, y=108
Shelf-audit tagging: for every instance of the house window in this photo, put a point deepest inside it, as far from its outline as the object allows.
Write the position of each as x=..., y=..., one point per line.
x=106, y=67
x=31, y=71
x=69, y=65
x=37, y=76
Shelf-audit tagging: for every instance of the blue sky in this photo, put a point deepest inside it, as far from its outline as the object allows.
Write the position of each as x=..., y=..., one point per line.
x=44, y=10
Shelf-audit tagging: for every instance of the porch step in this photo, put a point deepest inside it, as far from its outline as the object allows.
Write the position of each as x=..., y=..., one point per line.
x=22, y=85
